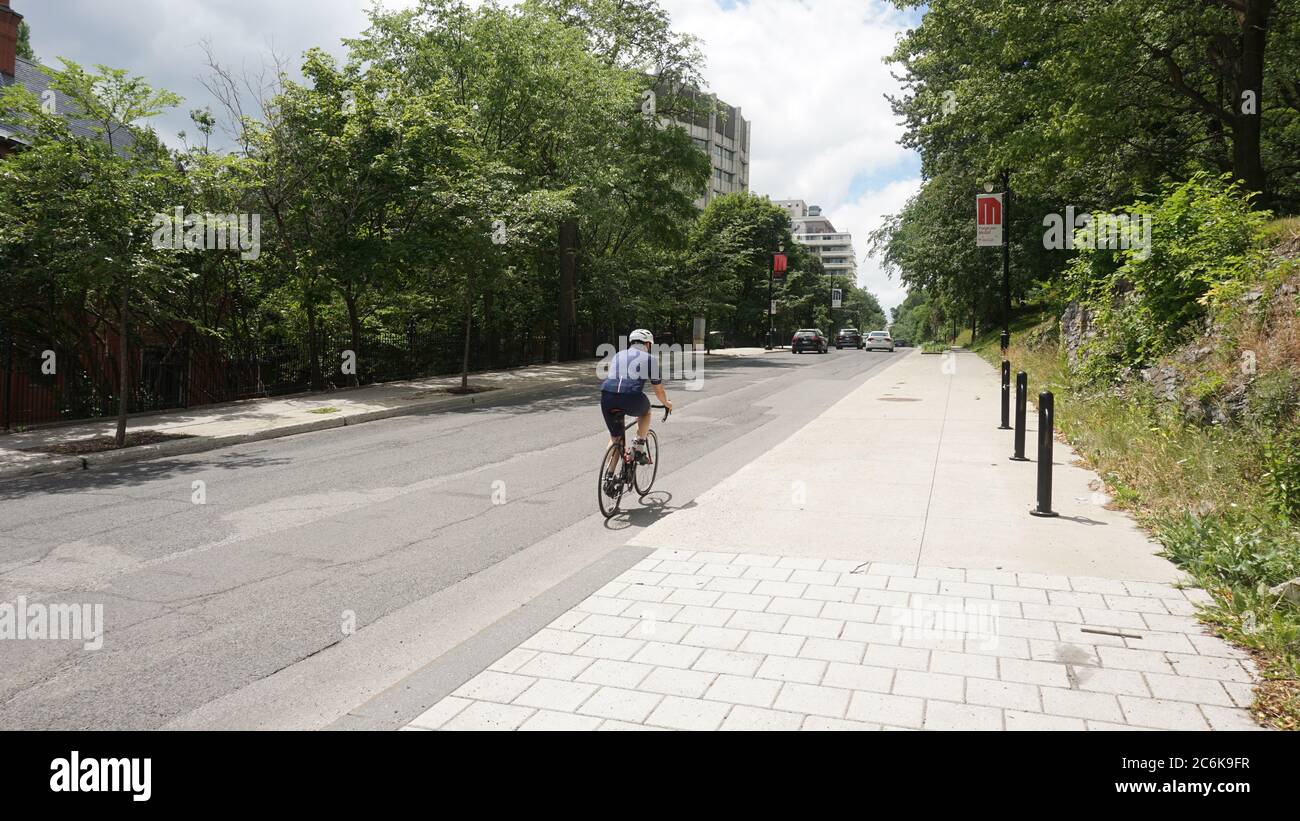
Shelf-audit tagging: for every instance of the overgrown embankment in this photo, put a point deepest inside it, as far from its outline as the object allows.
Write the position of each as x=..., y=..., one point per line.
x=1177, y=376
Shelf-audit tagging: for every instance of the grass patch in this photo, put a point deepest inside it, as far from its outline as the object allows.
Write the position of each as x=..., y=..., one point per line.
x=1200, y=491
x=323, y=410
x=933, y=347
x=1282, y=232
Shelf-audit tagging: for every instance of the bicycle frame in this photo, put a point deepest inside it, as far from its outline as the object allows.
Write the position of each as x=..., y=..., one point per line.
x=632, y=424
x=627, y=476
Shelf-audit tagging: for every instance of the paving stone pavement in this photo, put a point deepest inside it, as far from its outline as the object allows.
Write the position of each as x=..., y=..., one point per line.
x=691, y=640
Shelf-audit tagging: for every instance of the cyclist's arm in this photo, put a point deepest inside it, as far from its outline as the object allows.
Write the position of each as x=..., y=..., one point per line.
x=663, y=397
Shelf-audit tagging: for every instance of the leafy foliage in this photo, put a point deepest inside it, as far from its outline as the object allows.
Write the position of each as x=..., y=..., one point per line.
x=25, y=41
x=1204, y=251
x=1282, y=463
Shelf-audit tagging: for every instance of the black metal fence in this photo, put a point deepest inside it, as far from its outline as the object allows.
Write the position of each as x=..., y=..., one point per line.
x=43, y=383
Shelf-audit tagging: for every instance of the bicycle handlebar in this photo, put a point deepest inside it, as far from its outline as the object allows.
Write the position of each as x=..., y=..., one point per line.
x=664, y=408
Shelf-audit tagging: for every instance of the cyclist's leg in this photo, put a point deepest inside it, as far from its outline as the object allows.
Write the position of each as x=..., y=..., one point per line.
x=638, y=405
x=612, y=411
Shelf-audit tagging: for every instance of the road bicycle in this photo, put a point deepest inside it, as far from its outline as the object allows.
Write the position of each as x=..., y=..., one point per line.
x=620, y=469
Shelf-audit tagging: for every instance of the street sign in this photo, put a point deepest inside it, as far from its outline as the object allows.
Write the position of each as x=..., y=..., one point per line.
x=836, y=296
x=773, y=307
x=988, y=219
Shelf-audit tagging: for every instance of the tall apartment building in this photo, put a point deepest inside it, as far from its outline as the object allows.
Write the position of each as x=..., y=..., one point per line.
x=723, y=134
x=811, y=228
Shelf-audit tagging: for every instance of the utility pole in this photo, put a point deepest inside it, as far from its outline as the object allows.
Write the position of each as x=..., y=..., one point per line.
x=771, y=331
x=779, y=264
x=1006, y=261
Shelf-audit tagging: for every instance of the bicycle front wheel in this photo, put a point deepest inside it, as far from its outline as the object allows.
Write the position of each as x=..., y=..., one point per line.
x=609, y=481
x=645, y=474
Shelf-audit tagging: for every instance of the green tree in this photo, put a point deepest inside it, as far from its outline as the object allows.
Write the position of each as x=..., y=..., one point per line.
x=86, y=204
x=566, y=118
x=25, y=42
x=733, y=243
x=1098, y=99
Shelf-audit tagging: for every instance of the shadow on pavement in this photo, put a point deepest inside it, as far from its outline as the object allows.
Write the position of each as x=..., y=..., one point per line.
x=654, y=506
x=129, y=474
x=1083, y=520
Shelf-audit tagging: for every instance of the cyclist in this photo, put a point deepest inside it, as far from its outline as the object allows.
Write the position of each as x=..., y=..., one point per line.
x=624, y=391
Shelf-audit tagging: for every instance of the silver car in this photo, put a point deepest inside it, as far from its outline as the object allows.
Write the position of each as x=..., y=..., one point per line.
x=879, y=341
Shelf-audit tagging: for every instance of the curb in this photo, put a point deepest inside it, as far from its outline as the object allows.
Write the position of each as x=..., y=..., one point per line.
x=198, y=444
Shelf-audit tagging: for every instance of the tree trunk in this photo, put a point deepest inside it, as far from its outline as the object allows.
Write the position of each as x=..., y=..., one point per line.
x=568, y=290
x=313, y=348
x=469, y=324
x=354, y=328
x=1247, y=164
x=492, y=339
x=123, y=365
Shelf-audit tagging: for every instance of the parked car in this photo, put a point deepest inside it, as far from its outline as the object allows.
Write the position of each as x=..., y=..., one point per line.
x=848, y=338
x=901, y=343
x=880, y=341
x=809, y=339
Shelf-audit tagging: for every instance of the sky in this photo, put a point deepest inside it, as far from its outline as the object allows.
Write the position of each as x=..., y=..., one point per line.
x=808, y=74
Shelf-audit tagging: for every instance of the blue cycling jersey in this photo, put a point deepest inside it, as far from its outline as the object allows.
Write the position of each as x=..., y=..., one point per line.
x=629, y=369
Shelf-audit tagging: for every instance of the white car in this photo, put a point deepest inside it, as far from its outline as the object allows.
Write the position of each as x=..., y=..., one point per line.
x=879, y=341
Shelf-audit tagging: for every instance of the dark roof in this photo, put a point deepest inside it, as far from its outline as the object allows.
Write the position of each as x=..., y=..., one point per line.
x=30, y=76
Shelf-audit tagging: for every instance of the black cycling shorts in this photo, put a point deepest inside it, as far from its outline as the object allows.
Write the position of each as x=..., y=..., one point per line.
x=615, y=407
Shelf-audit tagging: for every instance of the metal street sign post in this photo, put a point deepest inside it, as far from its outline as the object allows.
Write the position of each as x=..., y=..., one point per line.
x=992, y=228
x=779, y=265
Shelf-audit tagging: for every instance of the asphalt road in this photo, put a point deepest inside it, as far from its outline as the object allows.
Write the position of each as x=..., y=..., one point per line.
x=306, y=579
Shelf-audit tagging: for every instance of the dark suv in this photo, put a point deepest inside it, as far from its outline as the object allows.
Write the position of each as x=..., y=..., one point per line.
x=809, y=339
x=848, y=338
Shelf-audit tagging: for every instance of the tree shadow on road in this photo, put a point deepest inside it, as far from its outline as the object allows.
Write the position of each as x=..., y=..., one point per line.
x=131, y=474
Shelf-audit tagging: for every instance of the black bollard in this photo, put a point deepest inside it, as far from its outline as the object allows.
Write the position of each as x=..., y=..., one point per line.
x=1046, y=418
x=1006, y=396
x=1022, y=398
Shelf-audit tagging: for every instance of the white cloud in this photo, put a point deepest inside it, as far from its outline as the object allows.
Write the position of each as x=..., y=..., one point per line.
x=810, y=76
x=864, y=215
x=160, y=39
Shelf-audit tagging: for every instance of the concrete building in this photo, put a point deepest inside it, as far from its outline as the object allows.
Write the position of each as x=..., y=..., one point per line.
x=723, y=134
x=811, y=228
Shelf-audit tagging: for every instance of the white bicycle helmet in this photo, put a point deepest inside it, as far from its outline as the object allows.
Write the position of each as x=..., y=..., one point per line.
x=641, y=335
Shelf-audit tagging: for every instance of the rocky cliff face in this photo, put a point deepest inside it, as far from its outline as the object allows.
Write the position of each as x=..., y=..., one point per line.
x=1212, y=380
x=1076, y=329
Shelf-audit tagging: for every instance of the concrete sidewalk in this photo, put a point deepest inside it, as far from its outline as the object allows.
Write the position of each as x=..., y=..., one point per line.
x=878, y=569
x=911, y=469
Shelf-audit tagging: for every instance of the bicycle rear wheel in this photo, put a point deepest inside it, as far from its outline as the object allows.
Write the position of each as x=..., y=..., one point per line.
x=609, y=481
x=645, y=474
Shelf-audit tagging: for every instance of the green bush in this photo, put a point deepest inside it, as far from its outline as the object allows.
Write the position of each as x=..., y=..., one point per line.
x=1205, y=248
x=1282, y=459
